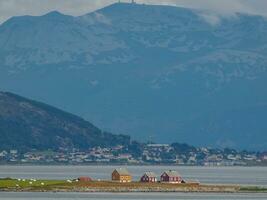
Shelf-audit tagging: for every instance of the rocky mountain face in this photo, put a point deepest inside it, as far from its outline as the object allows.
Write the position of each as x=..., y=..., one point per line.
x=27, y=124
x=160, y=72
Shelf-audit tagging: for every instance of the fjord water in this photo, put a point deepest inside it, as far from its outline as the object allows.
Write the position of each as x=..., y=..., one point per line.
x=129, y=196
x=221, y=175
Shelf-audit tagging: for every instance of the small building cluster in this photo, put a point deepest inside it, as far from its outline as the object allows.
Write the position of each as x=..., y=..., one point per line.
x=122, y=175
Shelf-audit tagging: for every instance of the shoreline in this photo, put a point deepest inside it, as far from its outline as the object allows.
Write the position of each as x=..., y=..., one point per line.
x=127, y=191
x=115, y=187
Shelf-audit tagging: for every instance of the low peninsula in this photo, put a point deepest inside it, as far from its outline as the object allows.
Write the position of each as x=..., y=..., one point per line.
x=32, y=185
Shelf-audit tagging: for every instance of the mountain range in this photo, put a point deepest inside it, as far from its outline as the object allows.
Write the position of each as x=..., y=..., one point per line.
x=158, y=73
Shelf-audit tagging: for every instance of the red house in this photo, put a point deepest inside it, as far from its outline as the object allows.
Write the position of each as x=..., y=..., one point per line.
x=84, y=179
x=171, y=177
x=149, y=177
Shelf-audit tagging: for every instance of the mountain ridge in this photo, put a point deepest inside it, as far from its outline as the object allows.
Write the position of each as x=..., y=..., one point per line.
x=26, y=124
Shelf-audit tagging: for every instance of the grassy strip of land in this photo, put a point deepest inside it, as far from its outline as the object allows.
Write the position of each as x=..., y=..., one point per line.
x=23, y=183
x=109, y=186
x=253, y=189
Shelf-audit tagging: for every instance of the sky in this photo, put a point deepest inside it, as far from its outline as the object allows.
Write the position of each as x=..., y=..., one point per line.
x=9, y=8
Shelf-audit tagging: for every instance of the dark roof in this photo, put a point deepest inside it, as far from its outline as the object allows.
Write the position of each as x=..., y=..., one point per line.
x=150, y=174
x=172, y=173
x=122, y=171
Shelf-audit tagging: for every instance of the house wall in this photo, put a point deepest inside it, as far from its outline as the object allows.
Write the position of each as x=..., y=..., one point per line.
x=115, y=176
x=121, y=178
x=166, y=178
x=84, y=179
x=124, y=178
x=148, y=179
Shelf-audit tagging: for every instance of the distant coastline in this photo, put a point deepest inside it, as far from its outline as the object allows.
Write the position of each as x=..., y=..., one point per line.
x=125, y=164
x=136, y=154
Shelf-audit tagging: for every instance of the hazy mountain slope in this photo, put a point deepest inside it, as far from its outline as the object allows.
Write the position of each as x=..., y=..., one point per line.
x=26, y=124
x=143, y=70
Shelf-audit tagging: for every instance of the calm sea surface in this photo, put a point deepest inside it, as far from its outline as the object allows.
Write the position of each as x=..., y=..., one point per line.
x=129, y=196
x=223, y=175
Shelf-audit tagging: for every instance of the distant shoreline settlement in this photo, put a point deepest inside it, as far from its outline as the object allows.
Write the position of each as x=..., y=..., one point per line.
x=145, y=154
